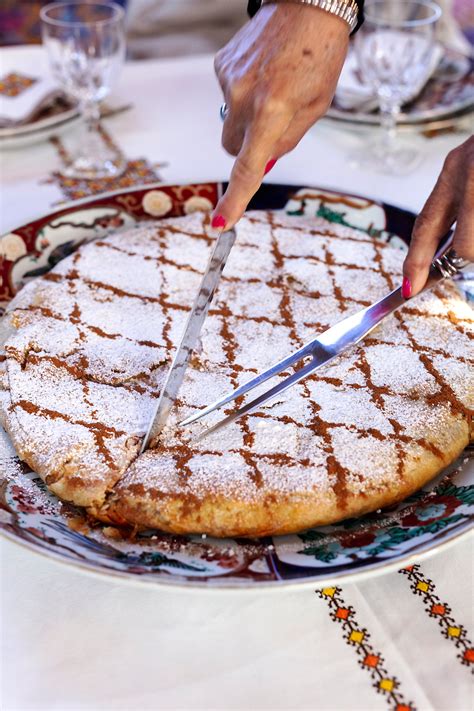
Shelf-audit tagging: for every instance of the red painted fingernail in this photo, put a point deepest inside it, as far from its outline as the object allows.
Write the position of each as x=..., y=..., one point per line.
x=218, y=221
x=270, y=165
x=406, y=288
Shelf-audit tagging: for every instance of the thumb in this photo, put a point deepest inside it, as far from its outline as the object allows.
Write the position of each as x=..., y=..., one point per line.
x=434, y=220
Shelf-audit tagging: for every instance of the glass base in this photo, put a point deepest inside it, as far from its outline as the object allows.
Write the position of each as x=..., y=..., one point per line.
x=85, y=168
x=93, y=156
x=395, y=157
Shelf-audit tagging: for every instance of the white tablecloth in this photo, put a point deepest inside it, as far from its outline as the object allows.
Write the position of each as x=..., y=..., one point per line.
x=73, y=641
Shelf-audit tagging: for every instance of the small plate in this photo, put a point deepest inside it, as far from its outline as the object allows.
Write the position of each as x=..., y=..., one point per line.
x=39, y=130
x=436, y=515
x=449, y=92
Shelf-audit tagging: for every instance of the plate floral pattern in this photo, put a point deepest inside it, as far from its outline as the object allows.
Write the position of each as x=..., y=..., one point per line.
x=29, y=514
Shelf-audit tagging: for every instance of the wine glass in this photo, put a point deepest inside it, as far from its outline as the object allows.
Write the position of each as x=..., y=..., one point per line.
x=395, y=49
x=86, y=46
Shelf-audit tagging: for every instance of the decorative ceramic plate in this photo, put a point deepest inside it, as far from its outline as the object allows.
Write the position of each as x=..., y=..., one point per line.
x=449, y=92
x=29, y=514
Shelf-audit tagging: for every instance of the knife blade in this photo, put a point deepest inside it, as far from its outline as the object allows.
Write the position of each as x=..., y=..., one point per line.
x=210, y=280
x=328, y=345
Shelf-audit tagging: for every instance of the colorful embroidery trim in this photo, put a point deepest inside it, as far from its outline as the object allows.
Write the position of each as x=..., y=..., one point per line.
x=14, y=84
x=450, y=629
x=369, y=659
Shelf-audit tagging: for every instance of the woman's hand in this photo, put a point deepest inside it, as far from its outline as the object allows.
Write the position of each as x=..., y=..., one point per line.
x=452, y=200
x=278, y=75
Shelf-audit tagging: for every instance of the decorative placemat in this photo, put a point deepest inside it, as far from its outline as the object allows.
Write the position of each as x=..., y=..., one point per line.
x=138, y=171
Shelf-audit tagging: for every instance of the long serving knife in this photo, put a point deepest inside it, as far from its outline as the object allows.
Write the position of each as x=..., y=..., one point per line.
x=198, y=313
x=328, y=345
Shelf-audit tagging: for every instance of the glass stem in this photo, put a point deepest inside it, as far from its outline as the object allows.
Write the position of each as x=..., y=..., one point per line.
x=91, y=112
x=92, y=147
x=388, y=120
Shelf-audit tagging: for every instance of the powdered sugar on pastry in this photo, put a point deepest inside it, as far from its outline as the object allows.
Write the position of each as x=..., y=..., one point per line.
x=90, y=344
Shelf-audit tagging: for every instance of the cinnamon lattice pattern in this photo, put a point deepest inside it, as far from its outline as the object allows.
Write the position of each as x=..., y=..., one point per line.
x=286, y=280
x=296, y=311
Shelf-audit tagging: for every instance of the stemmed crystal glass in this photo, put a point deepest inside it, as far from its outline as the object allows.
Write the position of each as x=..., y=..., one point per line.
x=395, y=49
x=86, y=46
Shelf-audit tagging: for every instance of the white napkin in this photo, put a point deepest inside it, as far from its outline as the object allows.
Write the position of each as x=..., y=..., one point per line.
x=351, y=93
x=19, y=109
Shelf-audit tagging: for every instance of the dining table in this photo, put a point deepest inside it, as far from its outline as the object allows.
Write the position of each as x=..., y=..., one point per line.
x=400, y=640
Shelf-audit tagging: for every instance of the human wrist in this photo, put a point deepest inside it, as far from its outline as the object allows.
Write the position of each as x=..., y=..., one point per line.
x=358, y=5
x=345, y=10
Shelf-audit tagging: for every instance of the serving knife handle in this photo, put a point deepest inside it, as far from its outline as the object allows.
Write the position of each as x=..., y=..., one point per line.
x=446, y=264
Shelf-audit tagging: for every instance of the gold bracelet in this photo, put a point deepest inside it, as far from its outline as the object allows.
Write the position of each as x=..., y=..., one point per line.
x=345, y=9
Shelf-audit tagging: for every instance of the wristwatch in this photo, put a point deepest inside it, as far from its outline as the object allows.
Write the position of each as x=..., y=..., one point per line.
x=352, y=11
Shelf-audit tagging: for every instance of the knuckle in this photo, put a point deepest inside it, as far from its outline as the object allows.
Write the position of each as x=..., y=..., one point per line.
x=231, y=139
x=321, y=105
x=421, y=226
x=418, y=263
x=231, y=145
x=218, y=61
x=236, y=91
x=220, y=66
x=459, y=163
x=468, y=146
x=267, y=106
x=451, y=161
x=243, y=172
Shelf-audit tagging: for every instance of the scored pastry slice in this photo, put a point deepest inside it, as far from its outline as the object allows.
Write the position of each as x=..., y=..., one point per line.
x=78, y=387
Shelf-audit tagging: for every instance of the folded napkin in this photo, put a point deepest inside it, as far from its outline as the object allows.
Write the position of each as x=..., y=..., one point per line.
x=26, y=87
x=23, y=96
x=352, y=93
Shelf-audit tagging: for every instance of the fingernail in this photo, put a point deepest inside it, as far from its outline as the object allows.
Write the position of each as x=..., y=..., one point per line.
x=218, y=221
x=406, y=288
x=270, y=165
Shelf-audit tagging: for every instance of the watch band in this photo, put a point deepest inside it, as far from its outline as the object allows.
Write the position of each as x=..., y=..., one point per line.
x=254, y=5
x=345, y=9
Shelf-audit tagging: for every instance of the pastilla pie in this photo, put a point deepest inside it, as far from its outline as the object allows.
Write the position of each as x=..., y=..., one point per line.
x=86, y=349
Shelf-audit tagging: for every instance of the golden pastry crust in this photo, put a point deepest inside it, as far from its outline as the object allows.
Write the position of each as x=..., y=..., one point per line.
x=88, y=345
x=272, y=513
